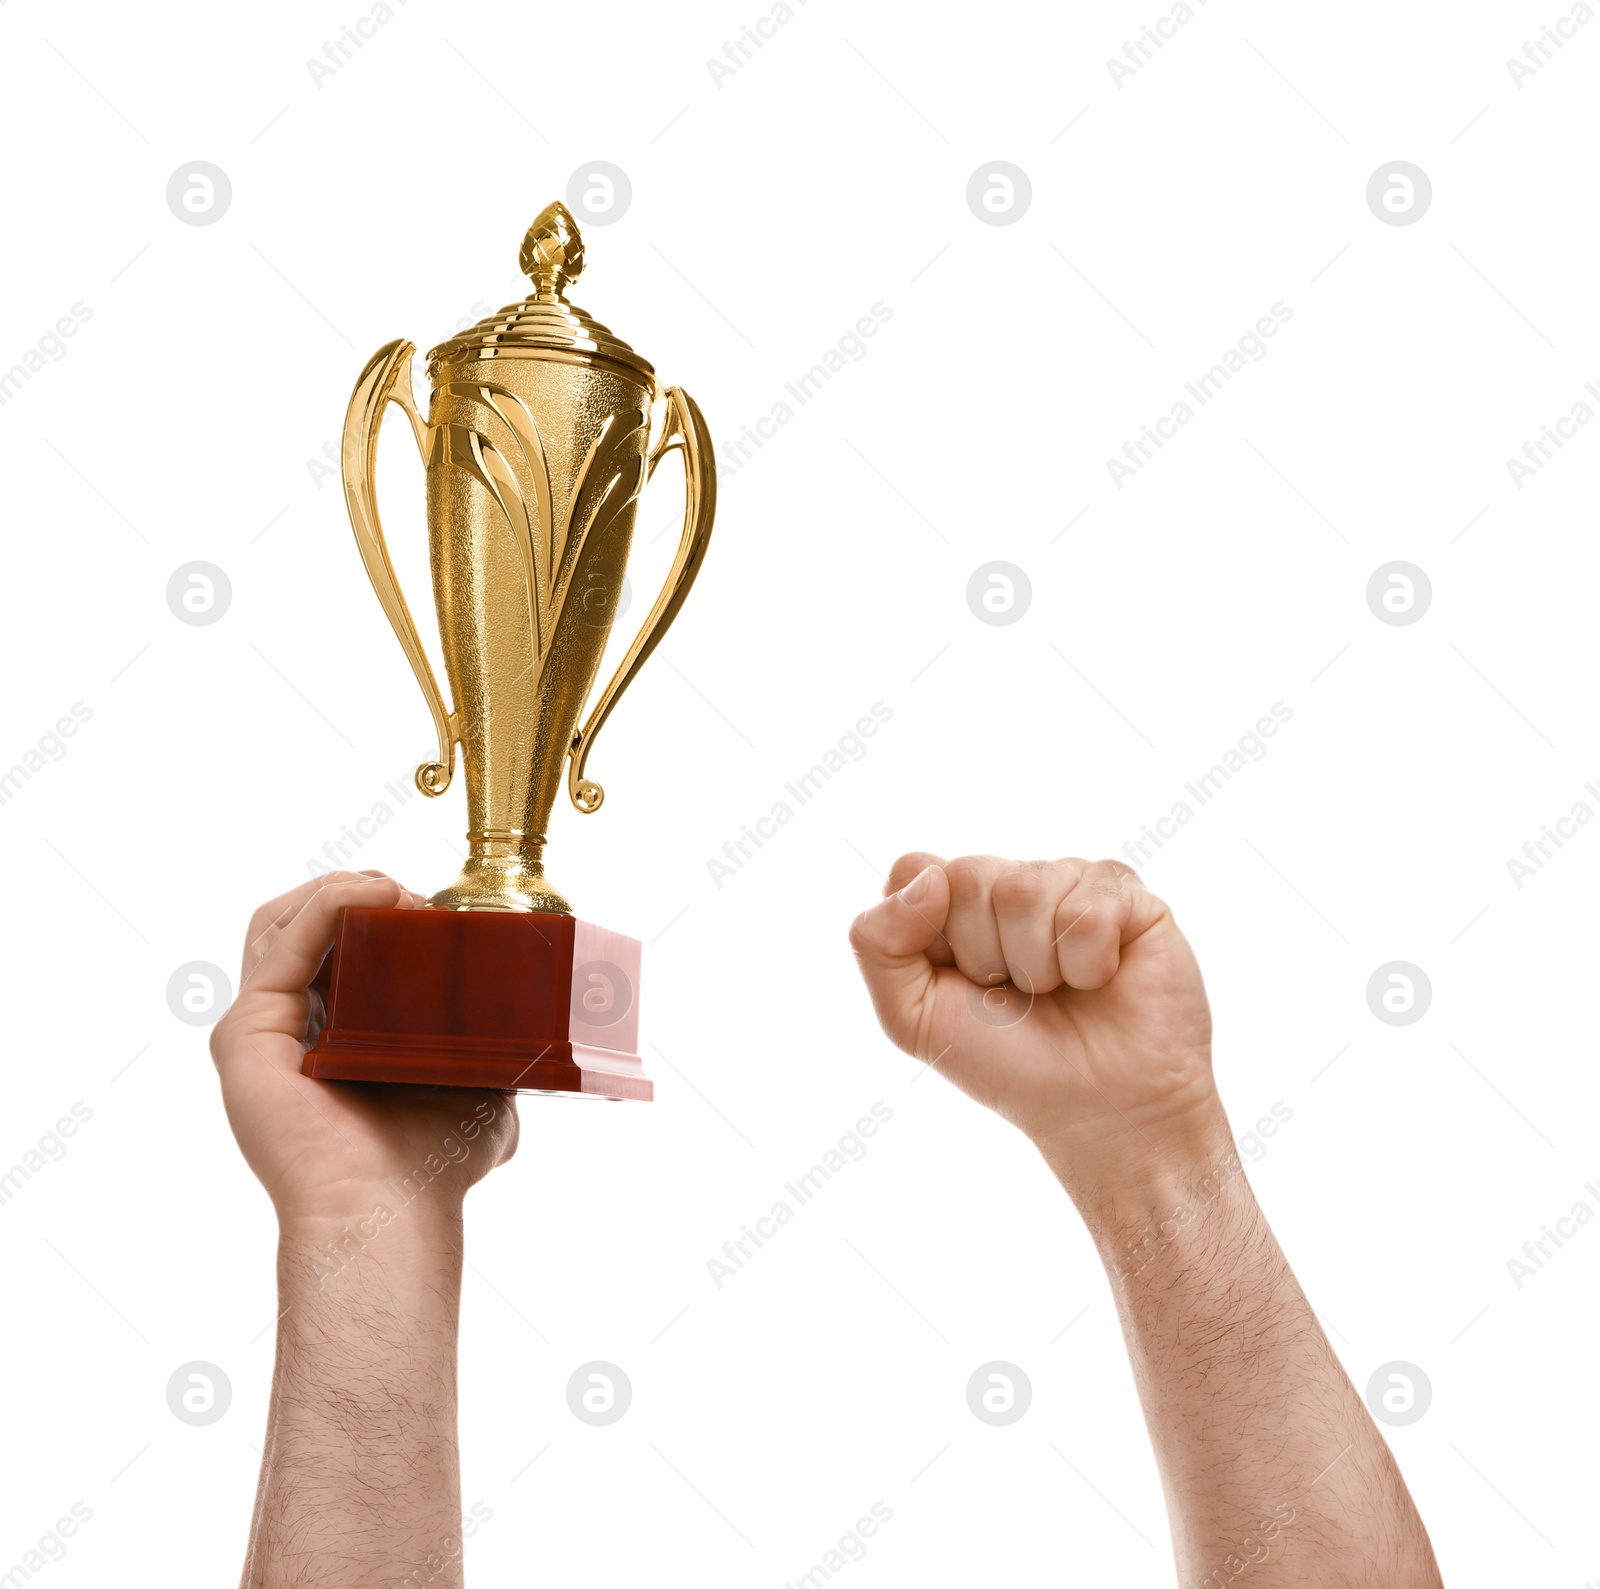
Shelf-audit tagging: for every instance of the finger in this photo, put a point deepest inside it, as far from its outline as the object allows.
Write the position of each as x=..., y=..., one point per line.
x=900, y=874
x=907, y=867
x=282, y=909
x=292, y=899
x=1025, y=901
x=973, y=933
x=302, y=943
x=891, y=942
x=1107, y=908
x=508, y=1150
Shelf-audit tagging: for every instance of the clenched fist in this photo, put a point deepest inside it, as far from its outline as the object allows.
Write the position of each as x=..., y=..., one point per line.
x=1059, y=993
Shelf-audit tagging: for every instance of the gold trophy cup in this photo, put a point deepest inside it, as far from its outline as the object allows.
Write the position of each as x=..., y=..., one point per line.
x=536, y=447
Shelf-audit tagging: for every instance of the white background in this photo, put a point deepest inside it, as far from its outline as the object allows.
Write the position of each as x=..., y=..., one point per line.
x=768, y=214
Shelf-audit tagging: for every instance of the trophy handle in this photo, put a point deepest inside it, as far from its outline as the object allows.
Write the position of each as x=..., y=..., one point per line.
x=385, y=380
x=686, y=428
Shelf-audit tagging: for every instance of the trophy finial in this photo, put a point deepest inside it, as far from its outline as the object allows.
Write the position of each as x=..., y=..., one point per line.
x=552, y=252
x=544, y=325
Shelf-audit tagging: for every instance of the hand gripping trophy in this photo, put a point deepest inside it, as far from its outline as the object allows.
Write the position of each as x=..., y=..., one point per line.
x=536, y=446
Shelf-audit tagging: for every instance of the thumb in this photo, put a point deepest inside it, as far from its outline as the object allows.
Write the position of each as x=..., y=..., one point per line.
x=891, y=943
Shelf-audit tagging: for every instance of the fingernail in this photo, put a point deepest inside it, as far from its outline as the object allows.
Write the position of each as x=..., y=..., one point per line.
x=917, y=887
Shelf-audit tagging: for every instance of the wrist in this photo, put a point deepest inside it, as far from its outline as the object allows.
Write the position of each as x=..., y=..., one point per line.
x=416, y=1199
x=1129, y=1156
x=405, y=1245
x=1190, y=1215
x=1134, y=1188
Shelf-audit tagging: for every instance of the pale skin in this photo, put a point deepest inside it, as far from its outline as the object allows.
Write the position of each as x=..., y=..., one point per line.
x=360, y=1473
x=1062, y=995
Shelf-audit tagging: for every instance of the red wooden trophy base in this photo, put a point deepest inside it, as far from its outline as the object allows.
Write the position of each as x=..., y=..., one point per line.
x=469, y=998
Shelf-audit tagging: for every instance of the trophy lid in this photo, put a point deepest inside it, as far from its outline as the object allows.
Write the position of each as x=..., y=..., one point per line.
x=544, y=325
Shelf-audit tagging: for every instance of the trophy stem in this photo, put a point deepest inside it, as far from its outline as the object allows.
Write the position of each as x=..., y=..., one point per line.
x=504, y=871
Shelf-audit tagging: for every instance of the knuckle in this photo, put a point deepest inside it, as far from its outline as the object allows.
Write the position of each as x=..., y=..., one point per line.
x=1109, y=877
x=966, y=874
x=904, y=869
x=262, y=922
x=339, y=880
x=1018, y=889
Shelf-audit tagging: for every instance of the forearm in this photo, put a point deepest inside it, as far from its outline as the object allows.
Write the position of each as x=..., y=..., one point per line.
x=360, y=1482
x=1269, y=1460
